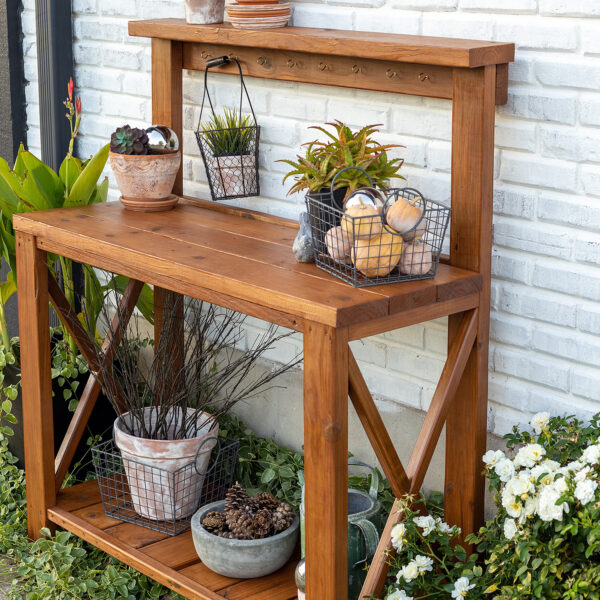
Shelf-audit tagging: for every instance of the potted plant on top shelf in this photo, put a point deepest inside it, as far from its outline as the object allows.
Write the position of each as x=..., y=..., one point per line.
x=324, y=159
x=145, y=163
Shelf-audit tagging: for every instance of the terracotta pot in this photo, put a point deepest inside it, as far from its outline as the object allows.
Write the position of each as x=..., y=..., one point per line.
x=146, y=182
x=235, y=175
x=202, y=12
x=162, y=480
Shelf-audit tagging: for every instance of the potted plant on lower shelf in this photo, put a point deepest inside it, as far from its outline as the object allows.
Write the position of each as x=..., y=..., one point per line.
x=170, y=397
x=145, y=163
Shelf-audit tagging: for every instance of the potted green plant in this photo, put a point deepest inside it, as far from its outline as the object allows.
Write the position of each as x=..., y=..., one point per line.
x=170, y=402
x=341, y=147
x=230, y=139
x=145, y=163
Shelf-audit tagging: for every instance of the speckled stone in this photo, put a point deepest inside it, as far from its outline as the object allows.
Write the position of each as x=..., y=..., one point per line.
x=303, y=250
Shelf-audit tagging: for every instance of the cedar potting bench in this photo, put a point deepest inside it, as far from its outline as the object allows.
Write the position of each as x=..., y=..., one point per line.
x=241, y=259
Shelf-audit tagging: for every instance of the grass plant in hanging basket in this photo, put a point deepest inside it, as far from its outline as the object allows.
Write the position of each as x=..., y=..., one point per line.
x=229, y=144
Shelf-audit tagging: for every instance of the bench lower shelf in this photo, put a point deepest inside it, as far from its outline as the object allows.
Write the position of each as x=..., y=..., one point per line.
x=172, y=561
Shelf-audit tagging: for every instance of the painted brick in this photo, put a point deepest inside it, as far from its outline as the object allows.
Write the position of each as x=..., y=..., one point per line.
x=562, y=343
x=387, y=21
x=426, y=4
x=587, y=248
x=511, y=6
x=515, y=203
x=513, y=267
x=541, y=105
x=415, y=364
x=516, y=136
x=309, y=109
x=573, y=279
x=576, y=73
x=84, y=6
x=304, y=16
x=86, y=54
x=462, y=25
x=122, y=57
x=358, y=115
x=569, y=144
x=585, y=382
x=384, y=383
x=98, y=79
x=588, y=319
x=439, y=156
x=106, y=30
x=533, y=238
x=580, y=212
x=413, y=336
x=423, y=123
x=570, y=8
x=119, y=8
x=523, y=168
x=590, y=38
x=589, y=110
x=158, y=9
x=590, y=178
x=370, y=352
x=535, y=33
x=510, y=330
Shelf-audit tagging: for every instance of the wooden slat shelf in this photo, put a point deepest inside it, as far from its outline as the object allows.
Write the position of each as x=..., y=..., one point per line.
x=170, y=560
x=240, y=259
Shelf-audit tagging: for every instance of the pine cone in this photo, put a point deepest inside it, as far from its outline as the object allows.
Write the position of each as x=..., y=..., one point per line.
x=241, y=525
x=214, y=522
x=263, y=523
x=266, y=500
x=235, y=498
x=283, y=516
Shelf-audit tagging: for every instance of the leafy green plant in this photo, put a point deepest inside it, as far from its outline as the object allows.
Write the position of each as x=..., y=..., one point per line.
x=229, y=134
x=323, y=160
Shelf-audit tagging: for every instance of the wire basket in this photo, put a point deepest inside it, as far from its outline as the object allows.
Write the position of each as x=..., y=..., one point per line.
x=230, y=155
x=365, y=250
x=157, y=498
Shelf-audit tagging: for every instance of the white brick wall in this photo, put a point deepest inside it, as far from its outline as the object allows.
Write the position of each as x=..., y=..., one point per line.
x=545, y=350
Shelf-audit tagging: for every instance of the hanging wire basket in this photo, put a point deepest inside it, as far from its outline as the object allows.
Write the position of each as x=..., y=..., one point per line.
x=230, y=154
x=161, y=499
x=365, y=250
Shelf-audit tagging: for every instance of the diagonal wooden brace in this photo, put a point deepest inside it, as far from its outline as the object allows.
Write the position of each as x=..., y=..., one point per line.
x=425, y=445
x=90, y=394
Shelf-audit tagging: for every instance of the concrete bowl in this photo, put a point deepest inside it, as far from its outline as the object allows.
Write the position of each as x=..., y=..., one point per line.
x=243, y=559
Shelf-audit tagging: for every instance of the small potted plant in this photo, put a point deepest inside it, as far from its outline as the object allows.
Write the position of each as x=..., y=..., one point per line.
x=245, y=537
x=229, y=143
x=324, y=159
x=145, y=163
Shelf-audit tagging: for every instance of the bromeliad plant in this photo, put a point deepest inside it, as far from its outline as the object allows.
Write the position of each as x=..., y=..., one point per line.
x=324, y=159
x=230, y=134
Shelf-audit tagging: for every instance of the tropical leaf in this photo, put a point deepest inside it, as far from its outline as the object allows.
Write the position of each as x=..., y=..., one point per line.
x=7, y=289
x=46, y=181
x=85, y=185
x=69, y=171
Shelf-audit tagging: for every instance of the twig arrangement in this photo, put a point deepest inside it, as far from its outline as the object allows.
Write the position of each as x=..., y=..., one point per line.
x=188, y=387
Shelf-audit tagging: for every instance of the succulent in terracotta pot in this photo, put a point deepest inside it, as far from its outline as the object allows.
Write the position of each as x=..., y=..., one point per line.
x=145, y=163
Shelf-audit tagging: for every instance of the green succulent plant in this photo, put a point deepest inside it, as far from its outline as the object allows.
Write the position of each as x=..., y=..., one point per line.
x=129, y=140
x=229, y=134
x=323, y=160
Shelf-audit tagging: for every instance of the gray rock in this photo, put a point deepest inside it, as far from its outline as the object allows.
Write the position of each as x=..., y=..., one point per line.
x=303, y=249
x=243, y=559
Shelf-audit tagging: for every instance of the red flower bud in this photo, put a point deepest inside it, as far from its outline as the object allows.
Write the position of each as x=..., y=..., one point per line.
x=70, y=88
x=78, y=105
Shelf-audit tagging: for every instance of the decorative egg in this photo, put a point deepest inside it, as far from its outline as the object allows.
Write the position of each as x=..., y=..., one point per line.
x=378, y=256
x=362, y=220
x=416, y=258
x=162, y=139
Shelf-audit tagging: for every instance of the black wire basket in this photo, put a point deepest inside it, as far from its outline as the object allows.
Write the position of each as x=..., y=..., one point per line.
x=230, y=155
x=157, y=498
x=365, y=250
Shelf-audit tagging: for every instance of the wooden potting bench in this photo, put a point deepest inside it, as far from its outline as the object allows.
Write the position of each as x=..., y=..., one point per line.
x=242, y=260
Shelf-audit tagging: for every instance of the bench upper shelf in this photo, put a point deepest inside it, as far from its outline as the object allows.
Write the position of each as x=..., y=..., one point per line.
x=418, y=49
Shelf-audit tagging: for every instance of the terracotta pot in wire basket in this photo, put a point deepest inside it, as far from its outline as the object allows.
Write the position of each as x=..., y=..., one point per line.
x=229, y=144
x=375, y=237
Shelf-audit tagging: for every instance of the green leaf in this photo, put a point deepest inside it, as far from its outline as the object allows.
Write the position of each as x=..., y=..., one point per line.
x=83, y=188
x=9, y=201
x=69, y=171
x=268, y=475
x=45, y=179
x=7, y=289
x=145, y=303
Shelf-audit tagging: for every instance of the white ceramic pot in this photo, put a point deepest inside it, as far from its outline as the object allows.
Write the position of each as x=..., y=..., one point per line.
x=203, y=12
x=163, y=482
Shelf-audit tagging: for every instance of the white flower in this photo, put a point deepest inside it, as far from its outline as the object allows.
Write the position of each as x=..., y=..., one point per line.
x=398, y=533
x=427, y=524
x=575, y=466
x=424, y=563
x=530, y=507
x=514, y=509
x=591, y=455
x=408, y=572
x=547, y=508
x=520, y=485
x=529, y=455
x=398, y=595
x=551, y=465
x=539, y=422
x=505, y=469
x=560, y=485
x=582, y=475
x=461, y=587
x=538, y=471
x=510, y=528
x=585, y=491
x=492, y=457
x=443, y=527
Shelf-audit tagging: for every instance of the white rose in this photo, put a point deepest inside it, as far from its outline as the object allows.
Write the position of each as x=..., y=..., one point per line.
x=585, y=491
x=530, y=506
x=492, y=457
x=539, y=422
x=560, y=485
x=543, y=472
x=582, y=475
x=529, y=455
x=591, y=455
x=398, y=595
x=505, y=469
x=551, y=465
x=461, y=587
x=514, y=509
x=547, y=507
x=408, y=572
x=575, y=466
x=398, y=533
x=520, y=485
x=510, y=529
x=427, y=524
x=443, y=527
x=424, y=563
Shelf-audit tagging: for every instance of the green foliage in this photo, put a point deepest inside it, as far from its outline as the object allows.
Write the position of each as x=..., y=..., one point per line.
x=323, y=160
x=229, y=134
x=129, y=140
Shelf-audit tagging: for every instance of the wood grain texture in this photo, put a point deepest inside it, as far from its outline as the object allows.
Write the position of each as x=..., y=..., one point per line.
x=36, y=382
x=326, y=461
x=375, y=429
x=325, y=69
x=470, y=248
x=91, y=391
x=382, y=46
